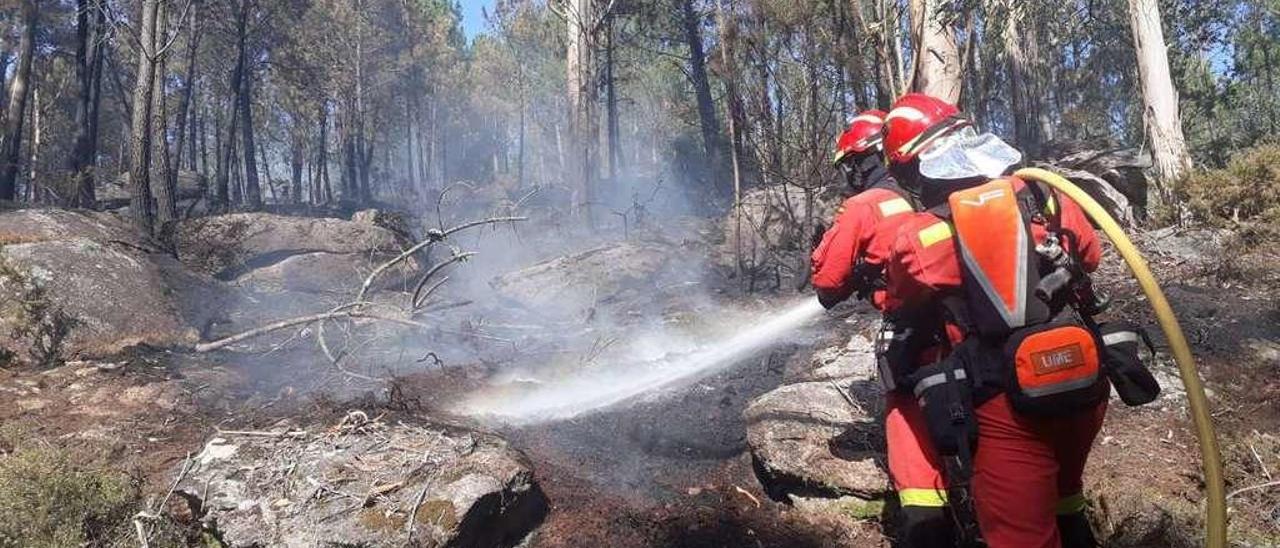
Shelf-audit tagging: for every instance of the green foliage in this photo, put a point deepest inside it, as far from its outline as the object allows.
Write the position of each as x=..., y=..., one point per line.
x=47, y=501
x=1246, y=190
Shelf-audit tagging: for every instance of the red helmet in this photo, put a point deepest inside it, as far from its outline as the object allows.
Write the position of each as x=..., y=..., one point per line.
x=863, y=134
x=915, y=121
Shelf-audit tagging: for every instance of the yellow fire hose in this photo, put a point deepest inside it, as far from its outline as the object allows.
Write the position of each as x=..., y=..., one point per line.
x=1216, y=520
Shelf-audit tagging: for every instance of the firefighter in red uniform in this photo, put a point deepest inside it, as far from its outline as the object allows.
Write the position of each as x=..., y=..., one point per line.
x=850, y=260
x=1025, y=468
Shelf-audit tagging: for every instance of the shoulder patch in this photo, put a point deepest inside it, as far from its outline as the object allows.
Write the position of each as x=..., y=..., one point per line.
x=934, y=233
x=889, y=208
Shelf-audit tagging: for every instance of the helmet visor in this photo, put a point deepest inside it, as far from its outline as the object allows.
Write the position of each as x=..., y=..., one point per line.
x=965, y=154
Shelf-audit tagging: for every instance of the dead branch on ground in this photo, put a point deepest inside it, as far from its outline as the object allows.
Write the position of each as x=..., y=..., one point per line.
x=362, y=308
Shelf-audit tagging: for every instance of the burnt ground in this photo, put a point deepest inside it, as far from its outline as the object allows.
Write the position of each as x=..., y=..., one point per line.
x=673, y=471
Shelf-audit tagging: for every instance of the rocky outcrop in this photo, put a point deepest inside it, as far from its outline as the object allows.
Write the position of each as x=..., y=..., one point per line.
x=273, y=253
x=82, y=284
x=226, y=246
x=364, y=483
x=817, y=439
x=855, y=360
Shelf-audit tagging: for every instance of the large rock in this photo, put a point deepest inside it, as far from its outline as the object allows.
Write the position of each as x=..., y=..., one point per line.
x=854, y=360
x=227, y=246
x=1108, y=196
x=772, y=221
x=42, y=225
x=78, y=284
x=309, y=273
x=366, y=484
x=808, y=440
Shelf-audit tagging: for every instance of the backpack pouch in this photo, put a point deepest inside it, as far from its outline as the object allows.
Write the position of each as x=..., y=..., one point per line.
x=1056, y=370
x=1123, y=365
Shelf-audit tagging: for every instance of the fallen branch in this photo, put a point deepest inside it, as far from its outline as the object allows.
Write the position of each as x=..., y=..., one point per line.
x=418, y=298
x=433, y=237
x=1244, y=490
x=291, y=322
x=264, y=433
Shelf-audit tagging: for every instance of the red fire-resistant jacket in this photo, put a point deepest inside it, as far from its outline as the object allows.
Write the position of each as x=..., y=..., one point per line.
x=863, y=231
x=923, y=262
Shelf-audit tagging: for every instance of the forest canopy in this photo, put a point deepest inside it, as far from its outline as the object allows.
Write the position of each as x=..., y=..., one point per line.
x=257, y=103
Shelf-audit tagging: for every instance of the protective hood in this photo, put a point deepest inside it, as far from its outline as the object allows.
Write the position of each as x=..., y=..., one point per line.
x=965, y=154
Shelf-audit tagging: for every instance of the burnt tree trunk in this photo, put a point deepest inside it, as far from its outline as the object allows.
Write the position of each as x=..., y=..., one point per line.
x=222, y=199
x=10, y=153
x=252, y=190
x=164, y=180
x=88, y=67
x=692, y=22
x=184, y=104
x=140, y=137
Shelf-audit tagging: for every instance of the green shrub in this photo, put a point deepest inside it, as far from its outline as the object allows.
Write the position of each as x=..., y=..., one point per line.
x=1247, y=190
x=47, y=501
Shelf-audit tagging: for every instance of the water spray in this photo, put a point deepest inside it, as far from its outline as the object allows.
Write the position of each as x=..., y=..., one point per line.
x=596, y=390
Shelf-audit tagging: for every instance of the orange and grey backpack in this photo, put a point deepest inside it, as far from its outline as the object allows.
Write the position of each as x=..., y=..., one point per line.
x=1027, y=343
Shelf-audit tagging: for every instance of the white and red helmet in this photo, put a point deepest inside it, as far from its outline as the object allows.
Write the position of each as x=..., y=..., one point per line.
x=864, y=134
x=946, y=145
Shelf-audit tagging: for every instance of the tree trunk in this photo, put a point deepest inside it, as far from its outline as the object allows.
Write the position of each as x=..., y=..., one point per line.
x=411, y=146
x=252, y=192
x=886, y=81
x=734, y=106
x=189, y=85
x=5, y=59
x=266, y=172
x=226, y=148
x=937, y=62
x=1024, y=85
x=580, y=86
x=1160, y=99
x=33, y=174
x=611, y=108
x=233, y=113
x=88, y=66
x=10, y=153
x=204, y=144
x=702, y=91
x=164, y=179
x=140, y=138
x=322, y=163
x=297, y=156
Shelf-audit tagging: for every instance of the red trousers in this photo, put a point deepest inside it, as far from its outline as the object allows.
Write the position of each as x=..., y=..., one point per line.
x=1027, y=471
x=913, y=465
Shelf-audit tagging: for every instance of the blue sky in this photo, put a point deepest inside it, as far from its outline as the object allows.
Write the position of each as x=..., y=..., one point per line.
x=472, y=18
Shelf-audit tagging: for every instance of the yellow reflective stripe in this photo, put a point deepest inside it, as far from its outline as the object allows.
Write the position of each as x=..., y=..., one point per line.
x=1073, y=504
x=1052, y=205
x=893, y=207
x=936, y=232
x=929, y=498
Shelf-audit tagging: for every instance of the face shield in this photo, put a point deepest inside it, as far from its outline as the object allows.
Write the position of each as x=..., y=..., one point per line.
x=964, y=154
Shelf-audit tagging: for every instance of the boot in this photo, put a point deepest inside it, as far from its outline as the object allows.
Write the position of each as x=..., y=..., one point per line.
x=1076, y=531
x=925, y=527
